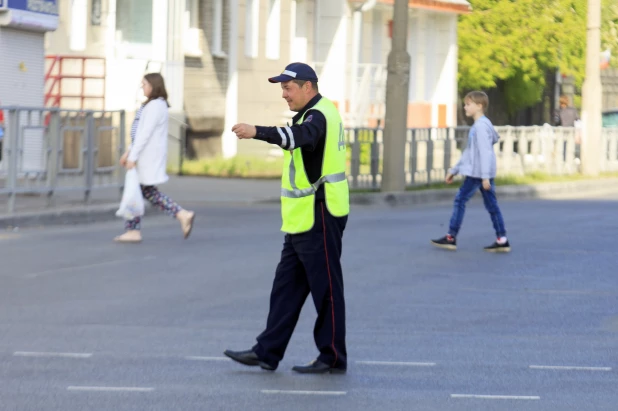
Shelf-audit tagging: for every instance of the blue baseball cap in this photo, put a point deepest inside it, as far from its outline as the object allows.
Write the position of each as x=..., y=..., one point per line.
x=295, y=71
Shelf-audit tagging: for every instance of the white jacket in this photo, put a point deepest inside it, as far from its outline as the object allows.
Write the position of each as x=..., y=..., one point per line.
x=149, y=150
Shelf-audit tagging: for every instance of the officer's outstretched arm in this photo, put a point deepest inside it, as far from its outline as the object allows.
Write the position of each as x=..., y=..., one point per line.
x=305, y=135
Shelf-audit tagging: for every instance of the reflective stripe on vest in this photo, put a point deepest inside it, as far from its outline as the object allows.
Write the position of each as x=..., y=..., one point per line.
x=298, y=193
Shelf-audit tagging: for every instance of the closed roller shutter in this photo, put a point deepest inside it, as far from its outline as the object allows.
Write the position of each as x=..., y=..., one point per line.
x=22, y=75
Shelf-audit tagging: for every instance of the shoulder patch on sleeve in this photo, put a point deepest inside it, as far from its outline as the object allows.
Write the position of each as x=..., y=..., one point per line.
x=309, y=118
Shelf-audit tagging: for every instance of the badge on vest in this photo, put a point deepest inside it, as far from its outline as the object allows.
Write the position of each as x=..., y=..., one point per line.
x=341, y=138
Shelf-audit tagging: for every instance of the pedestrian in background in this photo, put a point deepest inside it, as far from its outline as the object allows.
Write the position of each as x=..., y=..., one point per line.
x=478, y=166
x=148, y=153
x=565, y=116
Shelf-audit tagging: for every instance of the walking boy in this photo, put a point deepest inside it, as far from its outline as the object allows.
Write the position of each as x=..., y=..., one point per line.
x=478, y=166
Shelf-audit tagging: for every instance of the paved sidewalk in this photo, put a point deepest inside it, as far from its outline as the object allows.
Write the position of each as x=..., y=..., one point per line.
x=69, y=207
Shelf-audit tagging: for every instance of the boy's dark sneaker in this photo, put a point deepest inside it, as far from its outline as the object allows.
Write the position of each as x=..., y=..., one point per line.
x=498, y=248
x=447, y=242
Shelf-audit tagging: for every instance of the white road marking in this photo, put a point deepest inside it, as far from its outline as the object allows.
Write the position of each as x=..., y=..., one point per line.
x=409, y=364
x=193, y=358
x=304, y=392
x=568, y=368
x=51, y=354
x=111, y=389
x=80, y=267
x=496, y=397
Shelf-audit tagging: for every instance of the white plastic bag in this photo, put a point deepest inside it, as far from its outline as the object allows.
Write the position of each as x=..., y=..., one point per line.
x=132, y=203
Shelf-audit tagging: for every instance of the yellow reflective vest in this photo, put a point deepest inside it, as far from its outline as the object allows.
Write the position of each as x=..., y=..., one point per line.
x=298, y=194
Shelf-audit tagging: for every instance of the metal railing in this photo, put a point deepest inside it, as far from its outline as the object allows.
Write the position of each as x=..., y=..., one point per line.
x=176, y=145
x=49, y=150
x=430, y=152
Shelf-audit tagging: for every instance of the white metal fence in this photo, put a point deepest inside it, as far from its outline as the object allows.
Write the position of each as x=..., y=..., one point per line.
x=49, y=150
x=431, y=152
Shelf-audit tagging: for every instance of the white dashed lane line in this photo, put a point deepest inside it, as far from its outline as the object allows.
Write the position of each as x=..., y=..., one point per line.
x=495, y=397
x=51, y=354
x=292, y=392
x=197, y=358
x=568, y=368
x=398, y=363
x=110, y=389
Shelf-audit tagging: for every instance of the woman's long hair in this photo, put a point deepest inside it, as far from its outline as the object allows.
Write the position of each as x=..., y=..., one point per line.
x=158, y=87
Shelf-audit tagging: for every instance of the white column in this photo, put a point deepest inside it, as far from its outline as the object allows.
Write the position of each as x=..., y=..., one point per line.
x=413, y=50
x=378, y=89
x=357, y=27
x=377, y=33
x=434, y=66
x=332, y=44
x=445, y=91
x=174, y=58
x=299, y=31
x=229, y=141
x=159, y=30
x=79, y=21
x=293, y=23
x=110, y=52
x=592, y=95
x=453, y=70
x=421, y=56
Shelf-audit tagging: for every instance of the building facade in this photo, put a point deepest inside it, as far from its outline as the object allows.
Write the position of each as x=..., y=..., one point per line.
x=23, y=24
x=216, y=56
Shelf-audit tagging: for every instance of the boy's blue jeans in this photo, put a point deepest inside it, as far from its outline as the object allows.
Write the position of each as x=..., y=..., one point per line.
x=465, y=193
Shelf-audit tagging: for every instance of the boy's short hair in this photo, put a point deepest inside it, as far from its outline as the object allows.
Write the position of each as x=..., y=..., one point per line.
x=478, y=97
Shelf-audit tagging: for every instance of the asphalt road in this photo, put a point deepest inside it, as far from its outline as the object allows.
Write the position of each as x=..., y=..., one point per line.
x=87, y=324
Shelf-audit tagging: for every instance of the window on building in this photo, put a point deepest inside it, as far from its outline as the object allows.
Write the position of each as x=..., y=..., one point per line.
x=79, y=20
x=193, y=10
x=299, y=26
x=191, y=40
x=134, y=21
x=273, y=30
x=217, y=29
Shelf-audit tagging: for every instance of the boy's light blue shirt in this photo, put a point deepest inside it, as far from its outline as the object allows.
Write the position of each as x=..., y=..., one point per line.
x=478, y=159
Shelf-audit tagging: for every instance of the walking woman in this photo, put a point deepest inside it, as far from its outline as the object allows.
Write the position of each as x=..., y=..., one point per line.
x=148, y=153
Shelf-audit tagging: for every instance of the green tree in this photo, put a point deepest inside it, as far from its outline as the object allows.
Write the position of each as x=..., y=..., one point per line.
x=515, y=43
x=609, y=30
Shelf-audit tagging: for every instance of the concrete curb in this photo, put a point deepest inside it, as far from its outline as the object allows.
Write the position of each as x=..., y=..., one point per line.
x=105, y=212
x=65, y=216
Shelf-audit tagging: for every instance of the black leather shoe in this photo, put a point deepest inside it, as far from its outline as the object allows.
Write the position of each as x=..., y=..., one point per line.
x=318, y=367
x=249, y=358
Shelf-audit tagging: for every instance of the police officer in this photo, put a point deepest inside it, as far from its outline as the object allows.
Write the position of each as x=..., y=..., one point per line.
x=314, y=208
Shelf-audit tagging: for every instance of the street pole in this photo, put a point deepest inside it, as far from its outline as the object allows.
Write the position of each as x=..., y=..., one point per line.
x=396, y=117
x=592, y=94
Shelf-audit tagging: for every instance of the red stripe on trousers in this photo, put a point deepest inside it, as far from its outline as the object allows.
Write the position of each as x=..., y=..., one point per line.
x=330, y=281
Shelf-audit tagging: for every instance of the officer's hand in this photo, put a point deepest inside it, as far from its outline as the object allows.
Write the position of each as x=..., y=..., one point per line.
x=244, y=131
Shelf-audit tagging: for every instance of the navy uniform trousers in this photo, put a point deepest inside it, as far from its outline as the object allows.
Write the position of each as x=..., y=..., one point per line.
x=310, y=263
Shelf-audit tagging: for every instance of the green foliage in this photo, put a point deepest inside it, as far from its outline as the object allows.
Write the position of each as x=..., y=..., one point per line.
x=609, y=30
x=517, y=42
x=366, y=137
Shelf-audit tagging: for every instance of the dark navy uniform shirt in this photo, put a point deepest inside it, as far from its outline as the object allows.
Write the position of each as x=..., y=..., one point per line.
x=309, y=136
